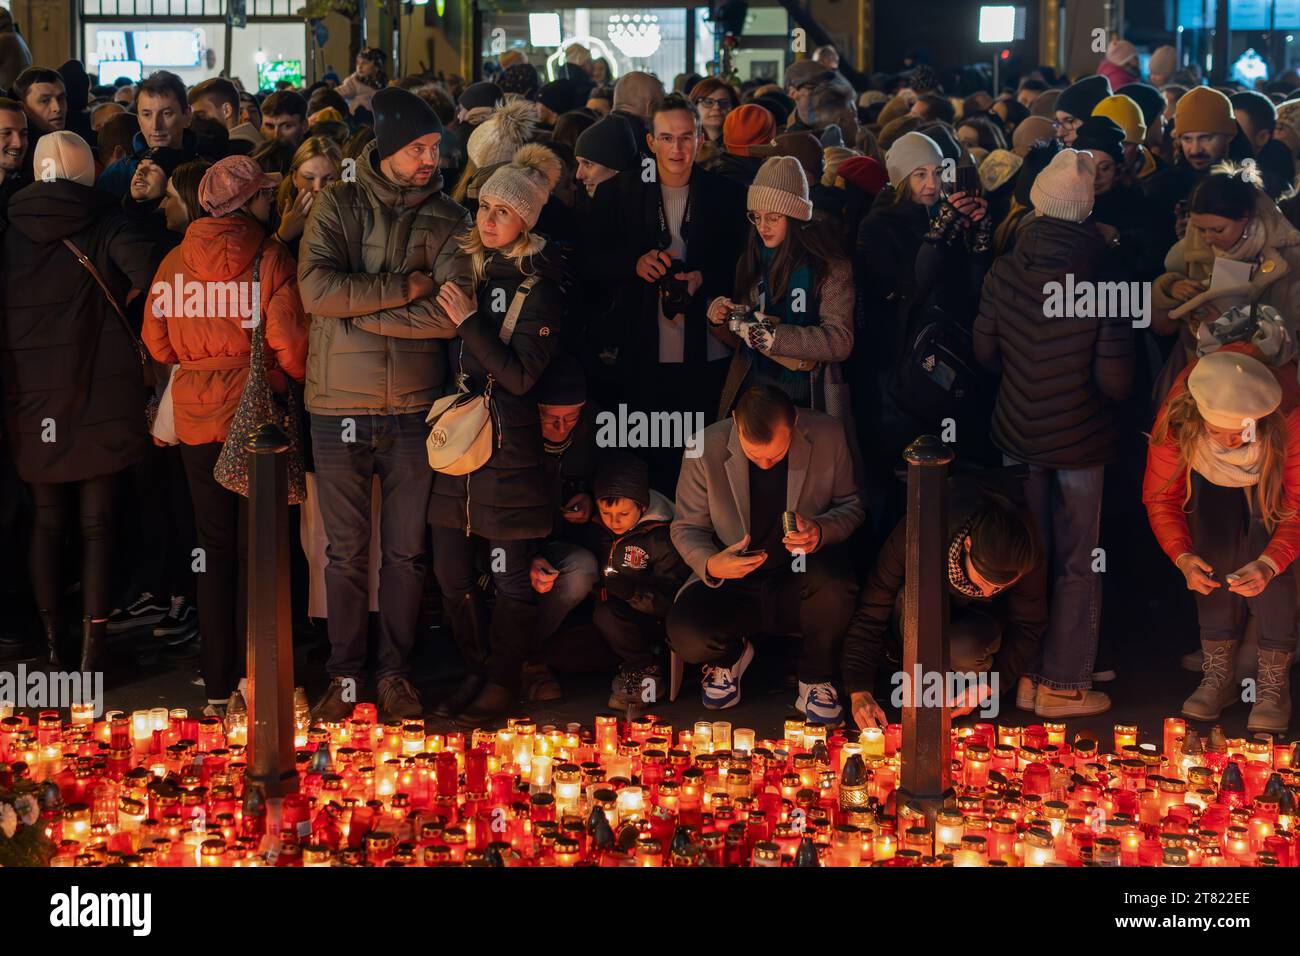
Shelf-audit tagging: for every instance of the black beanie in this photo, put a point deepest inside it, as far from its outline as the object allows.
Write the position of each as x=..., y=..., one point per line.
x=608, y=142
x=563, y=382
x=401, y=117
x=778, y=104
x=1150, y=100
x=1101, y=134
x=943, y=138
x=558, y=96
x=622, y=474
x=1082, y=98
x=1035, y=162
x=479, y=94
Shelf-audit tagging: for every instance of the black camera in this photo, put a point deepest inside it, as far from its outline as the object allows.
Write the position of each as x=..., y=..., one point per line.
x=673, y=294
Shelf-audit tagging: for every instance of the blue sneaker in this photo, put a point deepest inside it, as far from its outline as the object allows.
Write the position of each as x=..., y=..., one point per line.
x=722, y=684
x=820, y=704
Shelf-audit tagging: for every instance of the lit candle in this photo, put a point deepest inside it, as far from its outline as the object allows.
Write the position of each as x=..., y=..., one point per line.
x=702, y=737
x=873, y=742
x=721, y=735
x=742, y=740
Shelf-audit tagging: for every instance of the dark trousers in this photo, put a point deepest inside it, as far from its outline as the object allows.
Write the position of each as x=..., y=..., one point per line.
x=1227, y=536
x=514, y=616
x=392, y=447
x=707, y=625
x=92, y=502
x=634, y=636
x=165, y=534
x=221, y=521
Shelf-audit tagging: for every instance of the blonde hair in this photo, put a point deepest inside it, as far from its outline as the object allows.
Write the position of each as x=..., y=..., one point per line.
x=312, y=147
x=523, y=248
x=1182, y=425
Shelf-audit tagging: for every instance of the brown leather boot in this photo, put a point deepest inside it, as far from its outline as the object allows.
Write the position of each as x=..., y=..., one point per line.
x=1272, y=710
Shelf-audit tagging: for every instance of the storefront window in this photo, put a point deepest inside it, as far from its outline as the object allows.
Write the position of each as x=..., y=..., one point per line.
x=192, y=50
x=632, y=38
x=1262, y=36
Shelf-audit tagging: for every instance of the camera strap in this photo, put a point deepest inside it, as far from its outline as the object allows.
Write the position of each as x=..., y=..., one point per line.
x=665, y=235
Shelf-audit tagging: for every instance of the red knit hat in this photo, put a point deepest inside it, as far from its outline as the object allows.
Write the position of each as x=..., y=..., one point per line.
x=865, y=173
x=746, y=126
x=230, y=183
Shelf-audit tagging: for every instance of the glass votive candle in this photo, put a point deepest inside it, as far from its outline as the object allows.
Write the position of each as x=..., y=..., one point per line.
x=702, y=737
x=742, y=739
x=883, y=847
x=141, y=729
x=1125, y=736
x=949, y=827
x=82, y=713
x=630, y=804
x=873, y=742
x=721, y=735
x=794, y=732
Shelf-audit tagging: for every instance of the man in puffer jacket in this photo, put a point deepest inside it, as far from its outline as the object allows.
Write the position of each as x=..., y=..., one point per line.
x=374, y=253
x=1061, y=378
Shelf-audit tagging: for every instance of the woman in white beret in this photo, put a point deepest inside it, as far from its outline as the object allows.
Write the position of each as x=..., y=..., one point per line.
x=1222, y=492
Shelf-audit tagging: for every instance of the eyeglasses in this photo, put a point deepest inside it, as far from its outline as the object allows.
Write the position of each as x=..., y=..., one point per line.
x=719, y=103
x=1071, y=123
x=765, y=218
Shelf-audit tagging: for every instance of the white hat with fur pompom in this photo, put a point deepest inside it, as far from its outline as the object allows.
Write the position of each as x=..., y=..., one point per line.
x=526, y=182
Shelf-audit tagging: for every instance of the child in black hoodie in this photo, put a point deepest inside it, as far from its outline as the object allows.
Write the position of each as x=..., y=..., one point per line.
x=640, y=574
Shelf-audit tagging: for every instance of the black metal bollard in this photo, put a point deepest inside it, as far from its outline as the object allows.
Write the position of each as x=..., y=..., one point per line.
x=925, y=784
x=270, y=629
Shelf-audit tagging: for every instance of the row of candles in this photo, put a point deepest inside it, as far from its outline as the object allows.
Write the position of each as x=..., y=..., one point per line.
x=161, y=787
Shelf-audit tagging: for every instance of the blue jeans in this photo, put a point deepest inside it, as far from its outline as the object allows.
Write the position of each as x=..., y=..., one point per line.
x=1066, y=503
x=391, y=446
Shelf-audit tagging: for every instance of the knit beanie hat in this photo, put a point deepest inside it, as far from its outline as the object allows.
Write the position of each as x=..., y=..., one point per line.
x=63, y=155
x=999, y=168
x=522, y=79
x=780, y=186
x=1032, y=130
x=231, y=182
x=499, y=136
x=608, y=142
x=1204, y=110
x=1082, y=98
x=401, y=118
x=1233, y=389
x=1045, y=104
x=1150, y=100
x=558, y=96
x=479, y=94
x=778, y=104
x=525, y=183
x=623, y=475
x=896, y=107
x=909, y=153
x=1163, y=62
x=1127, y=114
x=1121, y=52
x=563, y=382
x=865, y=173
x=746, y=126
x=1101, y=134
x=1064, y=190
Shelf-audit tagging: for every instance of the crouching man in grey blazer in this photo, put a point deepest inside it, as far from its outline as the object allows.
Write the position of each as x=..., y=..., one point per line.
x=751, y=575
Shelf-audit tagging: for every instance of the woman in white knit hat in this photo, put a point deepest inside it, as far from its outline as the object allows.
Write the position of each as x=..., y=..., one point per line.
x=507, y=502
x=796, y=288
x=1222, y=492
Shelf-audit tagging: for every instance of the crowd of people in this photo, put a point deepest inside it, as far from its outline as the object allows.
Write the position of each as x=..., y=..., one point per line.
x=447, y=292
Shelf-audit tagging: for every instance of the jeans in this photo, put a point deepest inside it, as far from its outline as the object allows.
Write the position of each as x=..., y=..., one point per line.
x=392, y=447
x=578, y=574
x=221, y=519
x=1066, y=504
x=1227, y=535
x=708, y=625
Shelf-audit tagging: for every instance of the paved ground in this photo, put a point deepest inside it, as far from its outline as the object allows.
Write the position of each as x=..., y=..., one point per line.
x=1147, y=643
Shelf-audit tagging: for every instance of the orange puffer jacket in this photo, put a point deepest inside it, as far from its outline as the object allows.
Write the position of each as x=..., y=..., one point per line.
x=196, y=313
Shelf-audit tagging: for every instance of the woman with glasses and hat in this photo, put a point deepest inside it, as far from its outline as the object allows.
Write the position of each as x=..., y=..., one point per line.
x=210, y=338
x=794, y=307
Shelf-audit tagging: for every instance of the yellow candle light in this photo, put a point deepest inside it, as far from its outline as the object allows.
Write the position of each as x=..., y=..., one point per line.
x=721, y=735
x=141, y=729
x=702, y=737
x=742, y=740
x=83, y=713
x=883, y=847
x=873, y=742
x=794, y=733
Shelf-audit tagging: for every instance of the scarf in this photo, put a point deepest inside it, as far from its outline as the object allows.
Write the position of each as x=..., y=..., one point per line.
x=957, y=575
x=1249, y=246
x=1227, y=467
x=802, y=278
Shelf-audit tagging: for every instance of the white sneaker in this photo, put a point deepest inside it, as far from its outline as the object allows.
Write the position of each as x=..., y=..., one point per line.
x=820, y=704
x=722, y=684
